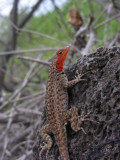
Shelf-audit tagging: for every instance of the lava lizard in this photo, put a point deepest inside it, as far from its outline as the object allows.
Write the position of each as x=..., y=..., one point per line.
x=57, y=106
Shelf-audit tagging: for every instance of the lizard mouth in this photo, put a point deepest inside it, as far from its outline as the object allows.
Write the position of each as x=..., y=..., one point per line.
x=65, y=52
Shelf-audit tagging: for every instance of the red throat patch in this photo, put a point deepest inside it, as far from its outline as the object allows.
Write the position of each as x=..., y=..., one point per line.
x=61, y=56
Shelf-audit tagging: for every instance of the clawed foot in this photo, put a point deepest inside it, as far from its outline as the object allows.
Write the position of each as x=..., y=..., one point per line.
x=44, y=147
x=80, y=75
x=84, y=118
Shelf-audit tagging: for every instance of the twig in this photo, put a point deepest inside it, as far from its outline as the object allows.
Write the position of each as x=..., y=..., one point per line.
x=102, y=3
x=62, y=30
x=20, y=137
x=28, y=97
x=10, y=75
x=83, y=30
x=23, y=85
x=60, y=16
x=5, y=147
x=28, y=111
x=24, y=156
x=8, y=124
x=34, y=32
x=28, y=51
x=19, y=144
x=2, y=42
x=4, y=134
x=99, y=16
x=37, y=33
x=17, y=117
x=29, y=15
x=114, y=40
x=90, y=42
x=31, y=102
x=106, y=21
x=34, y=60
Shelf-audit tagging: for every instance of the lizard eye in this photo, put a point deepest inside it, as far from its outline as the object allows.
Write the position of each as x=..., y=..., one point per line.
x=60, y=52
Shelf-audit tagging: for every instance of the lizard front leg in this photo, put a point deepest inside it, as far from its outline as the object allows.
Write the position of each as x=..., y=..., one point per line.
x=77, y=79
x=44, y=134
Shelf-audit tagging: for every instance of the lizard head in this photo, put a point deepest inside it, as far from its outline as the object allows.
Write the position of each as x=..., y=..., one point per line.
x=61, y=56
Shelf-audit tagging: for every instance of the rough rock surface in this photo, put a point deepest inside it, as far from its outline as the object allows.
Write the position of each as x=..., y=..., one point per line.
x=100, y=94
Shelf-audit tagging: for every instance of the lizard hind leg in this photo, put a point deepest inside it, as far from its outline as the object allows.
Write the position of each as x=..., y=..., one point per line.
x=72, y=115
x=48, y=141
x=75, y=119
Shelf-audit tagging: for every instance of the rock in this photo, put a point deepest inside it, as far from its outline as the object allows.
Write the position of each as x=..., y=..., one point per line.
x=99, y=96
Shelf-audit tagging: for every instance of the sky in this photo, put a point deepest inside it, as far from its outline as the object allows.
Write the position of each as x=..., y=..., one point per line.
x=6, y=5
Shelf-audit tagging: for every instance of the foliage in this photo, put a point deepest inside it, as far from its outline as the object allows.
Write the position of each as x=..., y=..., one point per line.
x=51, y=24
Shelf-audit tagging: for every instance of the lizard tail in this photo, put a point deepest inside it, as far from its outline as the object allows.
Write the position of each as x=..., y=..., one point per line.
x=61, y=139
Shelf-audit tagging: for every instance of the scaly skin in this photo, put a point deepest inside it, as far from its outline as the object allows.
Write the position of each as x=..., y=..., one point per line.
x=57, y=106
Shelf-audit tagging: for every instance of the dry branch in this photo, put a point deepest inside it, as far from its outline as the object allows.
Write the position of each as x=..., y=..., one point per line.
x=28, y=51
x=108, y=20
x=34, y=60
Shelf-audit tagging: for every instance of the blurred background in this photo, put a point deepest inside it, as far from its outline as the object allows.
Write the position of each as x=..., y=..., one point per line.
x=31, y=31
